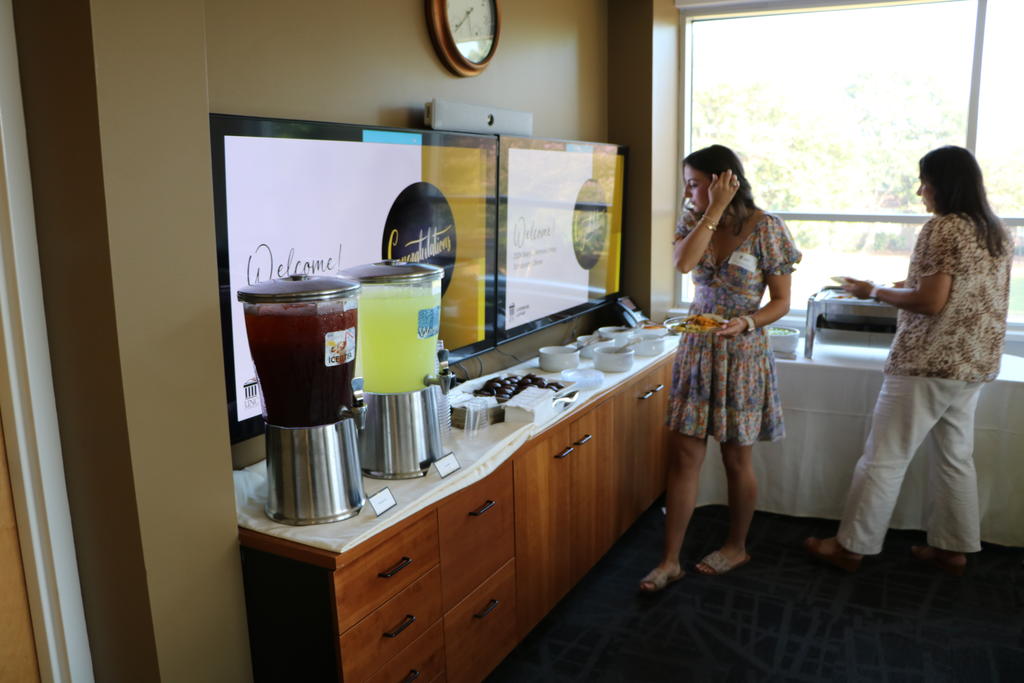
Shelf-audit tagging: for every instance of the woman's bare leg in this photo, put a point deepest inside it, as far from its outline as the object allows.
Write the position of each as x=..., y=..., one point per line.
x=742, y=484
x=685, y=459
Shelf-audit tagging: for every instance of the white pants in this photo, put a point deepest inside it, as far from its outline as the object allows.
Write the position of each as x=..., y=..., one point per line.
x=906, y=410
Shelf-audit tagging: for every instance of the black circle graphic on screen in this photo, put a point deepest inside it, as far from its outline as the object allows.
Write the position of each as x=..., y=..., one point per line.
x=590, y=225
x=420, y=227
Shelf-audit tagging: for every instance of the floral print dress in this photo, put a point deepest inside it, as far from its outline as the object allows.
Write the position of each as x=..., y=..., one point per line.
x=726, y=387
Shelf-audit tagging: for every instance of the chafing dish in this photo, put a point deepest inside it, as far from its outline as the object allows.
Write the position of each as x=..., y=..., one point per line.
x=836, y=316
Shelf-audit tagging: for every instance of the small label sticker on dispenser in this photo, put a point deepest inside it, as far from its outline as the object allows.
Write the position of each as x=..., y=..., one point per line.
x=382, y=501
x=339, y=347
x=428, y=322
x=446, y=465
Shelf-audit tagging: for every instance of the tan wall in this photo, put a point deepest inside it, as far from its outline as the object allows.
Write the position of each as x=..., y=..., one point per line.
x=373, y=63
x=643, y=78
x=117, y=95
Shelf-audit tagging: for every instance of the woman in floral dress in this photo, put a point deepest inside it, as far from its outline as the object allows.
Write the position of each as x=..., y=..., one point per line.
x=723, y=382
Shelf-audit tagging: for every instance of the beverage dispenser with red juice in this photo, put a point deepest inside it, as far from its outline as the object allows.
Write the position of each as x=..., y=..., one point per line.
x=302, y=336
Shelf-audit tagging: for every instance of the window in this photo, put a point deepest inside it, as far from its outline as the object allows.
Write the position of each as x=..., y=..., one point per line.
x=830, y=110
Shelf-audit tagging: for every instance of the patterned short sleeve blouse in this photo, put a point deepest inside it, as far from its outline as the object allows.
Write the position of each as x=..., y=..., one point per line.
x=963, y=341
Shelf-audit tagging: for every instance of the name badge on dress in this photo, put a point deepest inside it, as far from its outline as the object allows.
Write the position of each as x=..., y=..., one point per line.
x=744, y=261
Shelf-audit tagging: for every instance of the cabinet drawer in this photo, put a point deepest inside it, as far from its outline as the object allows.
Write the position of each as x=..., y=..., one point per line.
x=476, y=527
x=481, y=630
x=422, y=660
x=366, y=581
x=391, y=627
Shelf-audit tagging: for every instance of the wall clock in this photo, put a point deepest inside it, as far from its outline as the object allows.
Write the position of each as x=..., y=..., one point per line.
x=464, y=32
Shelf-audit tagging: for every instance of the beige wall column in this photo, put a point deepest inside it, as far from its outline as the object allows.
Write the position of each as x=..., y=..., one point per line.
x=116, y=109
x=643, y=97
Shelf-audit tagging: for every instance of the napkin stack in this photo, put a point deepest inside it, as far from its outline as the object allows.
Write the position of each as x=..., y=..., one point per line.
x=532, y=404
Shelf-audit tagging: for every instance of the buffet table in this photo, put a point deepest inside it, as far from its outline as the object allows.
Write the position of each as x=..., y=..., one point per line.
x=828, y=401
x=478, y=456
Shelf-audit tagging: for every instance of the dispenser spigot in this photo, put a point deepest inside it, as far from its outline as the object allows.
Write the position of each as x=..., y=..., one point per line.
x=358, y=409
x=444, y=377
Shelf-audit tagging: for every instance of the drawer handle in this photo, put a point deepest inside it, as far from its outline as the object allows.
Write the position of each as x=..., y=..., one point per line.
x=406, y=561
x=586, y=438
x=487, y=610
x=566, y=452
x=646, y=395
x=487, y=506
x=406, y=623
x=659, y=388
x=413, y=675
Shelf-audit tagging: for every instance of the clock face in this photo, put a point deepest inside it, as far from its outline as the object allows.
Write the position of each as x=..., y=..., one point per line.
x=472, y=24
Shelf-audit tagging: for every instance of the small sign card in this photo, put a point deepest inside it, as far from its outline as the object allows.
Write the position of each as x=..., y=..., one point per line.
x=382, y=501
x=446, y=465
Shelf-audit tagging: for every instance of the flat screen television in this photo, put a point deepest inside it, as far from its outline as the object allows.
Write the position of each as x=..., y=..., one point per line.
x=560, y=209
x=317, y=197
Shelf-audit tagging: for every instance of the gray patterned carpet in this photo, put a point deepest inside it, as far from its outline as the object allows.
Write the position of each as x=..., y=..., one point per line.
x=782, y=617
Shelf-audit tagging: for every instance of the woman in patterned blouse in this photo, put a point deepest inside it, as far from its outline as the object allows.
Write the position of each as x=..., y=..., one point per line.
x=949, y=341
x=723, y=382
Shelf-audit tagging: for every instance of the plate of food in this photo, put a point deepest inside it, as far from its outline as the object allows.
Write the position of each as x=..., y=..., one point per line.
x=699, y=323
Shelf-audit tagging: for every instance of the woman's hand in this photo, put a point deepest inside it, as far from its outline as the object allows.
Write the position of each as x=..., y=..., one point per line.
x=722, y=189
x=859, y=288
x=732, y=328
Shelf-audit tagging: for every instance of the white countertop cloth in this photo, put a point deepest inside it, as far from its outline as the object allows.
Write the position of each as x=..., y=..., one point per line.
x=827, y=403
x=478, y=457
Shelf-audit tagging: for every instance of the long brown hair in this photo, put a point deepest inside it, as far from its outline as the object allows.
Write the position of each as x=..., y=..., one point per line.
x=955, y=178
x=716, y=159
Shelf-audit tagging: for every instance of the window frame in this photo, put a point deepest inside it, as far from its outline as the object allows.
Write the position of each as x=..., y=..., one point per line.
x=692, y=10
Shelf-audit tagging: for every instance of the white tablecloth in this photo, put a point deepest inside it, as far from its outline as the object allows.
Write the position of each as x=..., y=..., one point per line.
x=828, y=402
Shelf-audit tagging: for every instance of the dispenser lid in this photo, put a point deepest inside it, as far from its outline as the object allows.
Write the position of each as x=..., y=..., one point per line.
x=394, y=272
x=296, y=288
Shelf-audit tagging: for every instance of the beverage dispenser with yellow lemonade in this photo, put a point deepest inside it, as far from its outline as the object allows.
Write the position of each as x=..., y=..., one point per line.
x=399, y=320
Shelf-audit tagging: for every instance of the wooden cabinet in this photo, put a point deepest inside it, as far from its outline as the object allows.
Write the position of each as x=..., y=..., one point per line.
x=391, y=628
x=371, y=577
x=477, y=533
x=543, y=473
x=481, y=630
x=598, y=483
x=447, y=593
x=581, y=484
x=423, y=660
x=643, y=438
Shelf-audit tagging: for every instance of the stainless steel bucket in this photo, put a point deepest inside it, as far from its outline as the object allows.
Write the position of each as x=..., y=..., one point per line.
x=313, y=473
x=401, y=436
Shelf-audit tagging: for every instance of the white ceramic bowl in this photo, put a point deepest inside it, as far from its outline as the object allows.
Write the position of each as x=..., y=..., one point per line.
x=614, y=359
x=619, y=337
x=651, y=346
x=651, y=332
x=558, y=358
x=588, y=350
x=783, y=339
x=611, y=331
